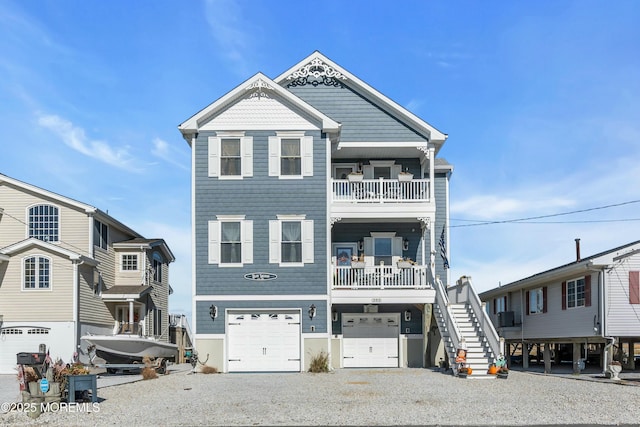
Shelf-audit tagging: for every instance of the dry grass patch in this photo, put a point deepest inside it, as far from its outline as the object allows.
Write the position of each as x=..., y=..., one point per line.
x=206, y=369
x=149, y=373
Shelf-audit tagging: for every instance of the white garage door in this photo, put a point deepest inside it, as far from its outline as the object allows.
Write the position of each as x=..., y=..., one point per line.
x=19, y=339
x=370, y=340
x=263, y=342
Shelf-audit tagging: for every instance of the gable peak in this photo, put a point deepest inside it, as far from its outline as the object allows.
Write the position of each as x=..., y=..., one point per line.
x=315, y=72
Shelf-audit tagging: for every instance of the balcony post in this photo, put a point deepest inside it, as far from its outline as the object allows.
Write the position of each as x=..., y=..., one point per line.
x=432, y=159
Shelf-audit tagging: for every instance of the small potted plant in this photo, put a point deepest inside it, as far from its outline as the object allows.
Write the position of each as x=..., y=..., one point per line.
x=405, y=175
x=405, y=263
x=355, y=176
x=501, y=367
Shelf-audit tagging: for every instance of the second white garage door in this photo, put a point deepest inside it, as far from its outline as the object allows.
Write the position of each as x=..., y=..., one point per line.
x=263, y=341
x=370, y=340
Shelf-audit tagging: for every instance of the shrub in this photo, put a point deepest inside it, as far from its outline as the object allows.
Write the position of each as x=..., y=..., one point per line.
x=206, y=369
x=149, y=373
x=319, y=363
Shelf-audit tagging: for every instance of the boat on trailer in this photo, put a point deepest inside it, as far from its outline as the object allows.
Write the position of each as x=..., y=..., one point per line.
x=130, y=348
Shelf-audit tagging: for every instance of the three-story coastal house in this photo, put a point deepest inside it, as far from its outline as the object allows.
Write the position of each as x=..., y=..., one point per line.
x=318, y=205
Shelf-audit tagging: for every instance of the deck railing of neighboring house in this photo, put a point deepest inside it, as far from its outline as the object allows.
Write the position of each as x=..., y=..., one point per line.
x=380, y=277
x=381, y=191
x=129, y=328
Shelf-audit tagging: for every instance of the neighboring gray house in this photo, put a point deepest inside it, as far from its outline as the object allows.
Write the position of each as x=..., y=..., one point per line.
x=584, y=311
x=311, y=192
x=68, y=269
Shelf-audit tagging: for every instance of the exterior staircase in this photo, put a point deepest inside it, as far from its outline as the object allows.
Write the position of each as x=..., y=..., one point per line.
x=462, y=324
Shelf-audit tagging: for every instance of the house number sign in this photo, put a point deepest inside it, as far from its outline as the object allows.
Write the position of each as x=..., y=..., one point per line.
x=260, y=276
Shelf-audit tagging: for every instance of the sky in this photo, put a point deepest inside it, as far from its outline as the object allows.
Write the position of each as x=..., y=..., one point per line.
x=541, y=102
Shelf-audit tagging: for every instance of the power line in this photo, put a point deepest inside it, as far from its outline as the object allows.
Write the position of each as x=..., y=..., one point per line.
x=523, y=220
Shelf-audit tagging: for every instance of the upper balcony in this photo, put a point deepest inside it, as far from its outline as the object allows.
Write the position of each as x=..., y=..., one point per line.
x=375, y=197
x=381, y=284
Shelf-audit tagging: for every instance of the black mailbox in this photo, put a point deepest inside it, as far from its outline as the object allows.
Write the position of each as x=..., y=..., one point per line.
x=31, y=358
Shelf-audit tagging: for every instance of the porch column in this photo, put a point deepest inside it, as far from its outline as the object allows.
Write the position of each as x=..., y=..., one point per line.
x=432, y=160
x=547, y=358
x=131, y=313
x=525, y=356
x=576, y=357
x=632, y=355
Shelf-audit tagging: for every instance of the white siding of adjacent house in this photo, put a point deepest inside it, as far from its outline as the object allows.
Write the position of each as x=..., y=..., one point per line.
x=54, y=304
x=623, y=318
x=73, y=223
x=559, y=323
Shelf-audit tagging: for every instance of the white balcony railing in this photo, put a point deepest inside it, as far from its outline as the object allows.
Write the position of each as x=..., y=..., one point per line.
x=381, y=277
x=381, y=191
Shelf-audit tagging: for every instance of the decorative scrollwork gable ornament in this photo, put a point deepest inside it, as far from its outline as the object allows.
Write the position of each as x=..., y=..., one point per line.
x=258, y=88
x=315, y=73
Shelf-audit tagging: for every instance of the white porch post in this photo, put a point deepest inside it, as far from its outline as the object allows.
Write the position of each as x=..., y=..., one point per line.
x=131, y=313
x=432, y=160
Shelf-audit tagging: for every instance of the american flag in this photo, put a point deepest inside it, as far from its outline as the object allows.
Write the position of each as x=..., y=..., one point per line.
x=443, y=249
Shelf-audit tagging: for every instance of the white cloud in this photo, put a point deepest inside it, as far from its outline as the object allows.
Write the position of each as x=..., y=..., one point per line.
x=226, y=22
x=167, y=152
x=76, y=138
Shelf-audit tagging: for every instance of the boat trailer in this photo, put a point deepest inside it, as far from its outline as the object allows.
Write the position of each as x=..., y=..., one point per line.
x=159, y=364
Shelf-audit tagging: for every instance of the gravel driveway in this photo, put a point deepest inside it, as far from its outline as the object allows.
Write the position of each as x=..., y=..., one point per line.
x=352, y=397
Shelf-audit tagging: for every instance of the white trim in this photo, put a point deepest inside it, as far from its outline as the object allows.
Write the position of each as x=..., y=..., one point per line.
x=193, y=235
x=48, y=194
x=257, y=298
x=210, y=336
x=285, y=217
x=230, y=217
x=195, y=122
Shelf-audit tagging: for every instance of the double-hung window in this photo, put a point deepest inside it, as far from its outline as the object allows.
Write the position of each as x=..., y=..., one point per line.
x=290, y=155
x=536, y=301
x=231, y=241
x=230, y=155
x=100, y=234
x=575, y=293
x=291, y=240
x=37, y=272
x=157, y=267
x=44, y=223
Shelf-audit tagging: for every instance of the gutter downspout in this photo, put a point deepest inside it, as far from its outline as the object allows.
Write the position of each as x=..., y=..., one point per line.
x=76, y=305
x=603, y=324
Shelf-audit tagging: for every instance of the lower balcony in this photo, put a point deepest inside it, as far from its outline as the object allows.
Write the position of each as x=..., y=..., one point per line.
x=381, y=284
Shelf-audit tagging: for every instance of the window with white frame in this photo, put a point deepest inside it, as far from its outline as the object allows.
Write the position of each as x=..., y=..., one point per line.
x=37, y=272
x=536, y=301
x=231, y=241
x=156, y=260
x=100, y=234
x=290, y=155
x=382, y=251
x=500, y=304
x=44, y=223
x=129, y=262
x=575, y=293
x=230, y=155
x=291, y=240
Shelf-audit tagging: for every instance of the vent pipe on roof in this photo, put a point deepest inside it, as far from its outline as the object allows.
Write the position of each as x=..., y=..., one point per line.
x=577, y=250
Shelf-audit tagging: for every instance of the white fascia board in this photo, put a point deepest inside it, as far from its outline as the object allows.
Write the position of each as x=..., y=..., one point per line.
x=256, y=298
x=48, y=194
x=27, y=243
x=435, y=136
x=193, y=124
x=393, y=144
x=4, y=258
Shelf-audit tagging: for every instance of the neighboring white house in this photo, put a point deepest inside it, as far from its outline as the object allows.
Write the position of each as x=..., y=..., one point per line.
x=575, y=312
x=67, y=269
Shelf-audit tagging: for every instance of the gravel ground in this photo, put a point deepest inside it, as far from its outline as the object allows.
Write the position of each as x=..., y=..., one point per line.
x=351, y=397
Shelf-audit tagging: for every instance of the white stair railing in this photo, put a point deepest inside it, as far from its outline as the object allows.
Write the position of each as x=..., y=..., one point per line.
x=451, y=329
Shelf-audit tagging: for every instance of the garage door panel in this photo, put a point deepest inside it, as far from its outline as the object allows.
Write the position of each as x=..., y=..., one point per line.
x=261, y=342
x=370, y=341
